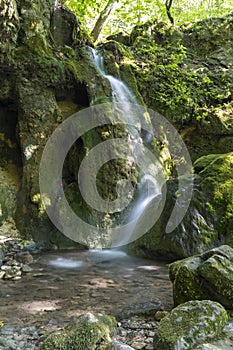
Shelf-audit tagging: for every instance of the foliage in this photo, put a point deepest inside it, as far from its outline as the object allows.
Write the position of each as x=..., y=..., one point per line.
x=128, y=13
x=180, y=81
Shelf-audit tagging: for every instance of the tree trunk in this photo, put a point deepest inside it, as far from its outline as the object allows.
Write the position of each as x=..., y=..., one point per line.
x=102, y=19
x=168, y=9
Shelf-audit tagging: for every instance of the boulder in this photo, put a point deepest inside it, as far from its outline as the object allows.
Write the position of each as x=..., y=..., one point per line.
x=207, y=276
x=190, y=324
x=83, y=332
x=148, y=308
x=209, y=219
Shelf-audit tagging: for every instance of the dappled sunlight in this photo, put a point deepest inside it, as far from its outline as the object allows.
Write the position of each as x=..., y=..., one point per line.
x=39, y=306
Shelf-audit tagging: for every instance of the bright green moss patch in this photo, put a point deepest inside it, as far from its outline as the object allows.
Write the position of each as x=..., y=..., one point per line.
x=82, y=333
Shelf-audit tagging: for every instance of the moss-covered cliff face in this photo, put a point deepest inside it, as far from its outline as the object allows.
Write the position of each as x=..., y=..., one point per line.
x=46, y=75
x=186, y=74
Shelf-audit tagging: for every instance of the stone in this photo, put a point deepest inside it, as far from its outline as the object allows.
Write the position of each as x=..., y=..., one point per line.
x=148, y=308
x=26, y=268
x=115, y=345
x=207, y=276
x=83, y=332
x=64, y=24
x=138, y=345
x=24, y=257
x=190, y=324
x=160, y=314
x=11, y=272
x=1, y=254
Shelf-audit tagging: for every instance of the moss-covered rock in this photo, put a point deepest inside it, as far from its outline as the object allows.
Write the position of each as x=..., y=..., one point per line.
x=190, y=324
x=208, y=221
x=208, y=275
x=195, y=234
x=83, y=332
x=215, y=172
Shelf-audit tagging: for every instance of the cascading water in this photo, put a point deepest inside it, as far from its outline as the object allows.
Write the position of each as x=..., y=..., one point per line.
x=120, y=91
x=150, y=187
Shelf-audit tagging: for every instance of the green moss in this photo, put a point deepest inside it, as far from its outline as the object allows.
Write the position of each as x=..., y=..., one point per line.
x=128, y=76
x=188, y=85
x=218, y=276
x=216, y=174
x=186, y=282
x=83, y=333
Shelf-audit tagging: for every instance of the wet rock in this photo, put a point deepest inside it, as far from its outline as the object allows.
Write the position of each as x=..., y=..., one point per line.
x=83, y=332
x=148, y=308
x=24, y=257
x=207, y=276
x=26, y=268
x=190, y=324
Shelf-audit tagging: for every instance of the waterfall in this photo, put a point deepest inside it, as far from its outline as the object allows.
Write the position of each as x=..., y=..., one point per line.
x=148, y=196
x=120, y=91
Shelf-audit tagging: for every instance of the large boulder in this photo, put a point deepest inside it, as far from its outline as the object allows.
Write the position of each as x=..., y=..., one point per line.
x=206, y=276
x=190, y=324
x=83, y=332
x=209, y=220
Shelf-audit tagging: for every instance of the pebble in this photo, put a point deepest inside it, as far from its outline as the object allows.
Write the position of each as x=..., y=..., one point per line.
x=138, y=345
x=12, y=338
x=16, y=258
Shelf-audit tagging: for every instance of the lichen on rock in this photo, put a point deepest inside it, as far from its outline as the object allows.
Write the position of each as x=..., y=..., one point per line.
x=190, y=324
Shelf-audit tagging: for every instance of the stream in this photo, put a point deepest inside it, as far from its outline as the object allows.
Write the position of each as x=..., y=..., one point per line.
x=62, y=284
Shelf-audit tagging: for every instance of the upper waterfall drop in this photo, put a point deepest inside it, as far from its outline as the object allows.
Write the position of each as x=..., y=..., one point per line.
x=120, y=91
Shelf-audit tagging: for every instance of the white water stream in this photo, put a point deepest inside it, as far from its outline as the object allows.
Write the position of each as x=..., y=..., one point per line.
x=149, y=188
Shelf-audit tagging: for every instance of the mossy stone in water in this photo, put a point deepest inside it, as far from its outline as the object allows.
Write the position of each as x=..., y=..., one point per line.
x=82, y=333
x=190, y=324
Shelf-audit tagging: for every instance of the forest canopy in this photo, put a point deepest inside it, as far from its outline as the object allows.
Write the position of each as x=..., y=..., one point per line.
x=123, y=15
